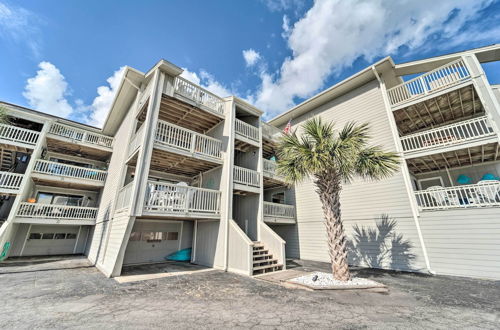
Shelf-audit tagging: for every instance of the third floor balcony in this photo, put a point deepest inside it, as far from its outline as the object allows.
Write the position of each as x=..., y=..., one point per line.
x=82, y=137
x=454, y=74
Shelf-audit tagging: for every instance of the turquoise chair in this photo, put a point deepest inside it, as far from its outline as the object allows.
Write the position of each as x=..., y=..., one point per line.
x=463, y=179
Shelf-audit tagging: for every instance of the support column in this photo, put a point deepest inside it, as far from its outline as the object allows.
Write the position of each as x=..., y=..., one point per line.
x=484, y=91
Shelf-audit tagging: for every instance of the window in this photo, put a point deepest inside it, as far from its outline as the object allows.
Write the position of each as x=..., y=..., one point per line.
x=44, y=198
x=430, y=182
x=35, y=236
x=60, y=236
x=172, y=236
x=70, y=236
x=48, y=236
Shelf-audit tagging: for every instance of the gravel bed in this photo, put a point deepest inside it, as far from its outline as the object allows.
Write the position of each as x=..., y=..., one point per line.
x=326, y=280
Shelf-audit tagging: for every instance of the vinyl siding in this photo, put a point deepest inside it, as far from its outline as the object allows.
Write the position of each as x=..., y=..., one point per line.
x=206, y=243
x=109, y=194
x=463, y=242
x=363, y=203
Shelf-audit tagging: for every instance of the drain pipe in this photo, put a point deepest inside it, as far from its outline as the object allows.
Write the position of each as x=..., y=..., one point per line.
x=404, y=170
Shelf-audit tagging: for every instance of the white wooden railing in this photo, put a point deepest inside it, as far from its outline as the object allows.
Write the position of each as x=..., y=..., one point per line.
x=18, y=134
x=246, y=130
x=448, y=135
x=246, y=176
x=270, y=169
x=279, y=210
x=173, y=198
x=199, y=95
x=124, y=196
x=63, y=212
x=274, y=243
x=481, y=194
x=10, y=180
x=70, y=171
x=445, y=76
x=187, y=140
x=80, y=135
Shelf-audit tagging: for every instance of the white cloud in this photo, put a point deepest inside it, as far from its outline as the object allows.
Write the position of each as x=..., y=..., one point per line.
x=251, y=56
x=207, y=81
x=334, y=33
x=281, y=5
x=105, y=96
x=47, y=91
x=20, y=26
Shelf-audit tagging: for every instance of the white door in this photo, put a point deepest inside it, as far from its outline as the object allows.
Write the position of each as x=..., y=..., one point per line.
x=50, y=240
x=152, y=241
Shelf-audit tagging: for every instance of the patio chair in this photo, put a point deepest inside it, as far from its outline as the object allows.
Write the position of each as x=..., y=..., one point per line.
x=441, y=196
x=488, y=190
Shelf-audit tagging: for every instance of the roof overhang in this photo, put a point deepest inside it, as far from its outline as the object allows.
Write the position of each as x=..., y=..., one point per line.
x=132, y=79
x=484, y=54
x=362, y=77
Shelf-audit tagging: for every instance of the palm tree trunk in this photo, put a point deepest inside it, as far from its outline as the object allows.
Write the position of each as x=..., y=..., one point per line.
x=329, y=187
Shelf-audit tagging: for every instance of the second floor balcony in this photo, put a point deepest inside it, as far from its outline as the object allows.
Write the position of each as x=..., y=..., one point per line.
x=80, y=136
x=271, y=176
x=246, y=179
x=477, y=130
x=183, y=141
x=55, y=214
x=66, y=174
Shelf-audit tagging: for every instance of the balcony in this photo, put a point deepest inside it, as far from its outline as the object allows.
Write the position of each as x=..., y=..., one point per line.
x=279, y=213
x=247, y=133
x=246, y=180
x=17, y=136
x=431, y=83
x=199, y=96
x=56, y=214
x=79, y=136
x=10, y=182
x=477, y=130
x=180, y=140
x=174, y=200
x=482, y=194
x=68, y=176
x=271, y=177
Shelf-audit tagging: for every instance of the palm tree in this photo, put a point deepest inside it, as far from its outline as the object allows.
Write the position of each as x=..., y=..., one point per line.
x=330, y=158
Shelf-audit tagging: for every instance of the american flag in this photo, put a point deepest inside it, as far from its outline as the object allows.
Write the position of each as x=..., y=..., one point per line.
x=288, y=127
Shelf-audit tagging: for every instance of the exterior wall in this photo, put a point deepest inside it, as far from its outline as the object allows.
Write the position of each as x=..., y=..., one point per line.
x=114, y=179
x=207, y=239
x=366, y=206
x=246, y=212
x=463, y=242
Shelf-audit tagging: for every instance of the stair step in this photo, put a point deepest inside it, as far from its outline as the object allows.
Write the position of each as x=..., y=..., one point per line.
x=261, y=256
x=260, y=252
x=266, y=261
x=267, y=266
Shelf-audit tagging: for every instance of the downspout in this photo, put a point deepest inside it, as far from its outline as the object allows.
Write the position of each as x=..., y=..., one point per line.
x=404, y=171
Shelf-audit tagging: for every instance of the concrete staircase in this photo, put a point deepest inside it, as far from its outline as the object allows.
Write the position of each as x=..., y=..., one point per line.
x=263, y=261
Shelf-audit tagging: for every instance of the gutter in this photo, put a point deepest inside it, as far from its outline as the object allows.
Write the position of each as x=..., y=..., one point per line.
x=404, y=170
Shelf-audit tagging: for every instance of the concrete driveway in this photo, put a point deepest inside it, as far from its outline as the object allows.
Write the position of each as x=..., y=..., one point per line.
x=82, y=297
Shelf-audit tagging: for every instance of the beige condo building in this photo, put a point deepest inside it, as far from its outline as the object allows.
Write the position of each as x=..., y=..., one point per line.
x=178, y=167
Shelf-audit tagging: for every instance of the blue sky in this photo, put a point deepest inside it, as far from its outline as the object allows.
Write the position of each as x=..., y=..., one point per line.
x=63, y=57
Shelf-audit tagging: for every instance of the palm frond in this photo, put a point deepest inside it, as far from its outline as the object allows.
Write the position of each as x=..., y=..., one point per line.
x=374, y=163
